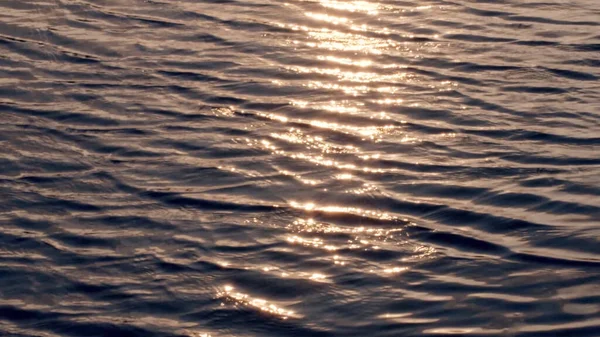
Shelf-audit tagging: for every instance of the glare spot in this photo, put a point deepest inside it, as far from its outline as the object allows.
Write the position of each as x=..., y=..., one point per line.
x=238, y=298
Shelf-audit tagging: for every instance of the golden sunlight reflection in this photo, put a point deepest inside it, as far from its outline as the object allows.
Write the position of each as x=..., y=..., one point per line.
x=370, y=8
x=323, y=161
x=310, y=234
x=340, y=107
x=389, y=101
x=353, y=90
x=338, y=260
x=312, y=242
x=277, y=270
x=421, y=253
x=354, y=76
x=347, y=66
x=276, y=117
x=332, y=40
x=371, y=131
x=309, y=206
x=370, y=236
x=406, y=318
x=346, y=61
x=365, y=189
x=361, y=63
x=300, y=178
x=327, y=18
x=228, y=293
x=313, y=226
x=196, y=334
x=395, y=270
x=317, y=277
x=346, y=128
x=297, y=136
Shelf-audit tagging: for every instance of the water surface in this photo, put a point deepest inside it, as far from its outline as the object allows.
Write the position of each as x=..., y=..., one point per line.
x=299, y=168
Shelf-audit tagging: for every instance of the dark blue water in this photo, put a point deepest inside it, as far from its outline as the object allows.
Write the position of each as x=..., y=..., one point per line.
x=303, y=168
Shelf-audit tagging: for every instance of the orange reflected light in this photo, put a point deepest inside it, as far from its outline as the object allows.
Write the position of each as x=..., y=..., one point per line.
x=263, y=305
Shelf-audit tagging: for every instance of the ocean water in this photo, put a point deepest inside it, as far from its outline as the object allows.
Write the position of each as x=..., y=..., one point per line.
x=237, y=168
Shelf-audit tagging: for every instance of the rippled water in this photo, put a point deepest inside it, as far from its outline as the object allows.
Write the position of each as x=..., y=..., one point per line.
x=301, y=168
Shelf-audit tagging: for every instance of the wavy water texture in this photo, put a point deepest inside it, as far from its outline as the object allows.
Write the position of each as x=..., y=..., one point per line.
x=301, y=168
